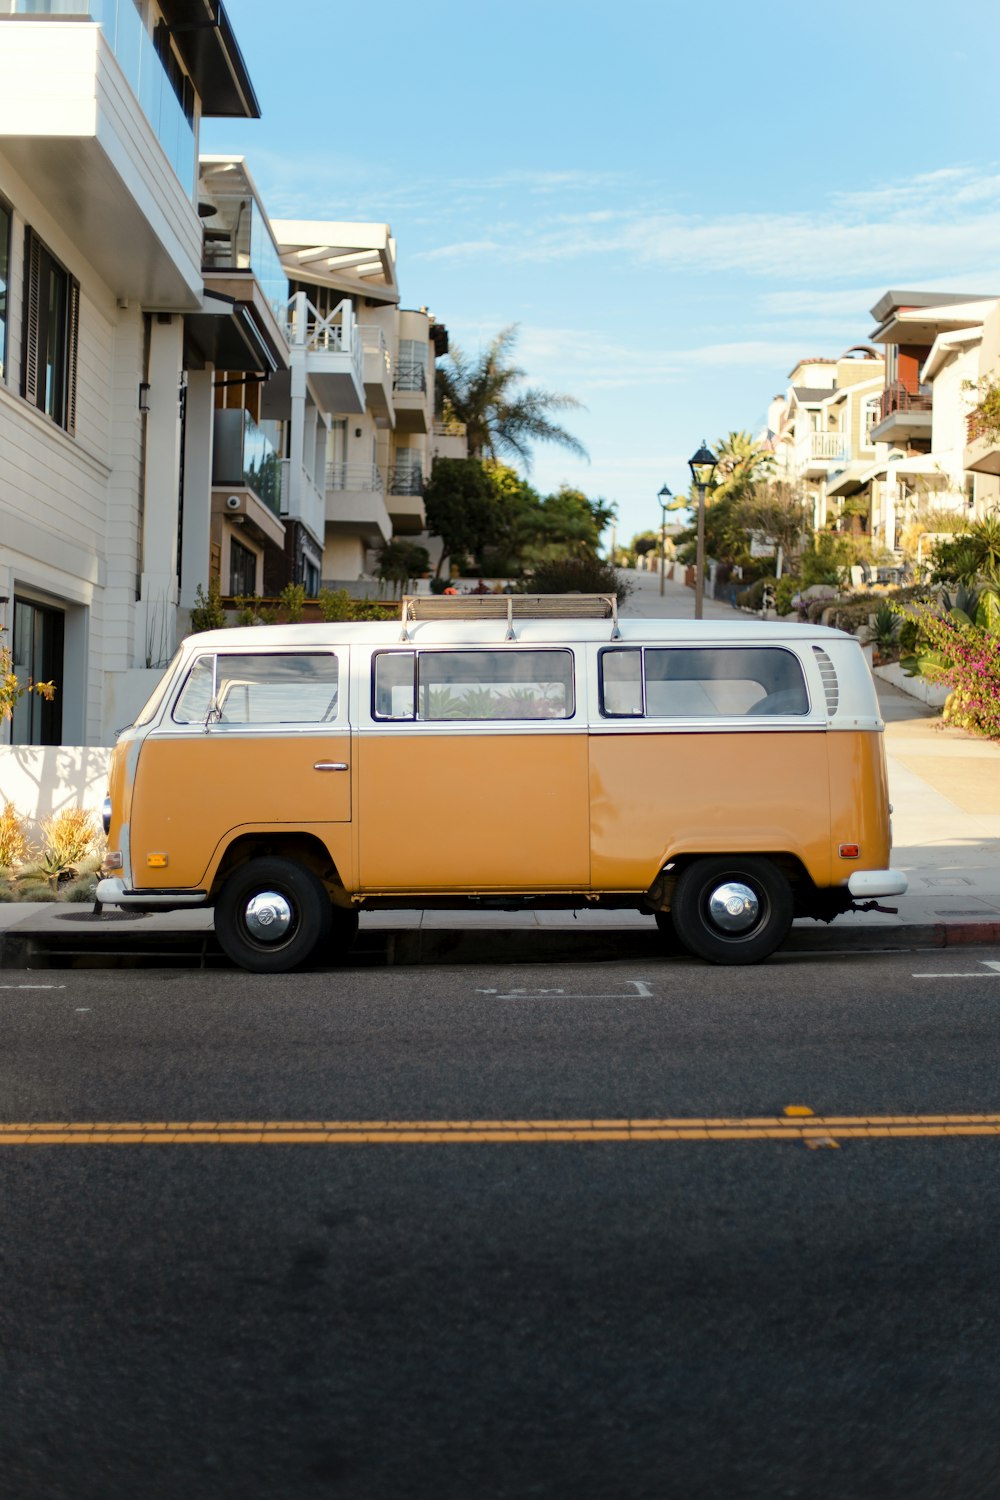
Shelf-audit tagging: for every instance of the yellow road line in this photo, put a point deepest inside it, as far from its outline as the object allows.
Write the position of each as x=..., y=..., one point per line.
x=482, y=1132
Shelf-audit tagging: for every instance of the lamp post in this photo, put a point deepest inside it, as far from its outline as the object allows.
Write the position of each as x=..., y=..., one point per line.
x=702, y=467
x=663, y=495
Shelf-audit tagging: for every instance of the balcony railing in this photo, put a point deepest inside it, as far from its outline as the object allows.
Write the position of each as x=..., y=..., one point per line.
x=341, y=476
x=407, y=480
x=411, y=375
x=237, y=235
x=334, y=333
x=243, y=455
x=138, y=59
x=373, y=342
x=828, y=445
x=449, y=429
x=898, y=398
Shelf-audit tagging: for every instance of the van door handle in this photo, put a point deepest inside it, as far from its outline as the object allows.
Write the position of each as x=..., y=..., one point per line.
x=330, y=765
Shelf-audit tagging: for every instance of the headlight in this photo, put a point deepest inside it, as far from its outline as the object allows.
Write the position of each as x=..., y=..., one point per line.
x=106, y=816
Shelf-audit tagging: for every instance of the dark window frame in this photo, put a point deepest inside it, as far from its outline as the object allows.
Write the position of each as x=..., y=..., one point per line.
x=6, y=244
x=51, y=335
x=235, y=548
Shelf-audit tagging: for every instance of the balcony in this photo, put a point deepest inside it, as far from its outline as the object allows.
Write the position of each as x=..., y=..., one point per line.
x=904, y=414
x=406, y=499
x=982, y=449
x=89, y=118
x=302, y=500
x=246, y=472
x=243, y=325
x=822, y=453
x=332, y=350
x=378, y=374
x=450, y=440
x=355, y=503
x=409, y=388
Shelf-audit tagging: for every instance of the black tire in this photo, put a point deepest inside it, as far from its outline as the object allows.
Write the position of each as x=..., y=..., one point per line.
x=300, y=897
x=732, y=936
x=669, y=941
x=343, y=931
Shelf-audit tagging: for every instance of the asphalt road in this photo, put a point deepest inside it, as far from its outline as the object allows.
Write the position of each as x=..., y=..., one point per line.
x=699, y=1313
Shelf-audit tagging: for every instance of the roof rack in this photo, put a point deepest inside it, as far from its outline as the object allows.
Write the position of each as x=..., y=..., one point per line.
x=510, y=607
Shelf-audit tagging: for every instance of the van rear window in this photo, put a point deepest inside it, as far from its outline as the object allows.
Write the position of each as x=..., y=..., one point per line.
x=701, y=682
x=285, y=688
x=478, y=685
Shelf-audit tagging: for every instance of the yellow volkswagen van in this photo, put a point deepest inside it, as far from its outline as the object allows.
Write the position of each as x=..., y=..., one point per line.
x=521, y=751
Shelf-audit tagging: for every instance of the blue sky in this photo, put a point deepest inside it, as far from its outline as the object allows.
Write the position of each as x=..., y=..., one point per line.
x=674, y=202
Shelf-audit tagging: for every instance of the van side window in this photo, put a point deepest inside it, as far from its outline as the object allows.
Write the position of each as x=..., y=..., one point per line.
x=473, y=685
x=702, y=682
x=621, y=683
x=285, y=688
x=731, y=682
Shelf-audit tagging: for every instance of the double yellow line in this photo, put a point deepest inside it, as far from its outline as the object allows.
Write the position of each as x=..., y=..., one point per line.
x=815, y=1130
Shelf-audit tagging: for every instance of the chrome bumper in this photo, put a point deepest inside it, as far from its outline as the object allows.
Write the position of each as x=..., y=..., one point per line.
x=878, y=883
x=111, y=892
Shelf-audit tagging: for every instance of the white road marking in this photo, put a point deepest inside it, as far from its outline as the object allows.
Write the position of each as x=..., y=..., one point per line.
x=32, y=986
x=992, y=964
x=641, y=991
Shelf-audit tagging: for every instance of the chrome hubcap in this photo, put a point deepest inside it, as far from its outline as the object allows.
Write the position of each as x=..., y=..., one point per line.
x=268, y=917
x=733, y=907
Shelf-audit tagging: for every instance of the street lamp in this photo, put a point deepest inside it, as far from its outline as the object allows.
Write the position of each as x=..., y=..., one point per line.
x=663, y=495
x=702, y=467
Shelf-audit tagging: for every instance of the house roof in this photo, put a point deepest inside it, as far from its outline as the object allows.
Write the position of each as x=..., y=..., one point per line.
x=359, y=259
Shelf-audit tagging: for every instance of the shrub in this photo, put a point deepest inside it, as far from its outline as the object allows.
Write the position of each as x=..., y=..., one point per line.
x=579, y=575
x=967, y=657
x=14, y=846
x=208, y=613
x=293, y=601
x=784, y=593
x=337, y=604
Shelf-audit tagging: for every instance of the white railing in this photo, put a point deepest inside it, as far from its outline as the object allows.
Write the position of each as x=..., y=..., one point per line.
x=341, y=476
x=334, y=333
x=828, y=445
x=302, y=500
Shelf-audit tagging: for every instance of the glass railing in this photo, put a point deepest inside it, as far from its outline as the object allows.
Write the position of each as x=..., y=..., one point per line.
x=133, y=47
x=246, y=454
x=238, y=237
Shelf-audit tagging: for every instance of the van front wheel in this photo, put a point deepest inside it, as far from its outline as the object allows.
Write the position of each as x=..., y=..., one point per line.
x=732, y=909
x=271, y=915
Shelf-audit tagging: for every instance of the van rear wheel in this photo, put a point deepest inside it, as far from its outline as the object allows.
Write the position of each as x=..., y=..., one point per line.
x=271, y=915
x=732, y=909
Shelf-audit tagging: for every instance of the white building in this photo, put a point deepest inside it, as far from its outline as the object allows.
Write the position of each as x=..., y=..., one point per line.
x=106, y=399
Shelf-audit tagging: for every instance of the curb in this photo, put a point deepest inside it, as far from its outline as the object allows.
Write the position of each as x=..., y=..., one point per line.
x=101, y=948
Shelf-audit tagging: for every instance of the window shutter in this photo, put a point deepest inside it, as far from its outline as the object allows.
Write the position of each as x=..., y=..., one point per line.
x=31, y=294
x=72, y=351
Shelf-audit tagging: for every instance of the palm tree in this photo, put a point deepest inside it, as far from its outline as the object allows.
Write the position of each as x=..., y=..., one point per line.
x=500, y=421
x=742, y=463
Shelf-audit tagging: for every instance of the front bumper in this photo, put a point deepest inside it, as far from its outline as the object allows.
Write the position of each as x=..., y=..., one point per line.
x=112, y=892
x=878, y=883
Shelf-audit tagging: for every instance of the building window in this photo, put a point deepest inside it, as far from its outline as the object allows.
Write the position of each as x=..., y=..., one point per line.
x=5, y=223
x=873, y=415
x=37, y=646
x=51, y=334
x=242, y=570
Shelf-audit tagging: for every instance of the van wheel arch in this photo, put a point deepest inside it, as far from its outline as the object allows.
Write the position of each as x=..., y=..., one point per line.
x=304, y=849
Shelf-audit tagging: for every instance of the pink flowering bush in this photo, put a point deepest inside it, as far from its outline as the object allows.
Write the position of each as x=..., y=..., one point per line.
x=966, y=657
